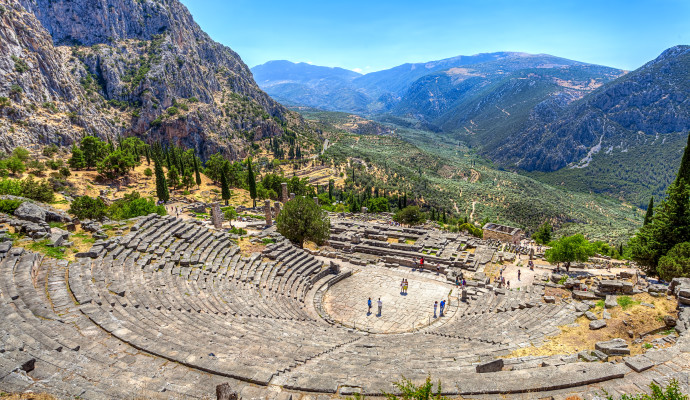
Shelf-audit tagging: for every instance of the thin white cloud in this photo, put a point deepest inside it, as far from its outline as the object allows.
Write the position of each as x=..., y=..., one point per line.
x=358, y=70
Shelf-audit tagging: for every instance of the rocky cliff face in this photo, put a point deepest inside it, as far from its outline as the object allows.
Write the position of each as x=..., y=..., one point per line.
x=149, y=70
x=39, y=99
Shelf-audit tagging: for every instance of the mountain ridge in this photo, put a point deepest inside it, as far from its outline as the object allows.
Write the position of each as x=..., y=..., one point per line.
x=149, y=70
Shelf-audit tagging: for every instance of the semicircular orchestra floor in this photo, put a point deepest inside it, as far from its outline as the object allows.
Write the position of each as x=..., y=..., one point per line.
x=346, y=302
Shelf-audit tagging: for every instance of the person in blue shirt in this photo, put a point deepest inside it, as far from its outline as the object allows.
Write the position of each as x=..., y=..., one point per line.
x=369, y=304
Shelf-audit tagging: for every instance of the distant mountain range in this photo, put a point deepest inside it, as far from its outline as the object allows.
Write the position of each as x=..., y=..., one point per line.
x=536, y=113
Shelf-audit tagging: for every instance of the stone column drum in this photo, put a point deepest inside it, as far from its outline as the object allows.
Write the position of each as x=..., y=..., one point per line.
x=268, y=211
x=276, y=207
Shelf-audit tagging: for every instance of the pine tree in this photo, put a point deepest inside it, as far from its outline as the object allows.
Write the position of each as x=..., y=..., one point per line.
x=196, y=171
x=225, y=188
x=148, y=156
x=331, y=184
x=650, y=212
x=161, y=184
x=251, y=181
x=684, y=170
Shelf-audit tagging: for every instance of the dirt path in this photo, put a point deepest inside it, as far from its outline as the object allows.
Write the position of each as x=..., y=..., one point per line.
x=472, y=213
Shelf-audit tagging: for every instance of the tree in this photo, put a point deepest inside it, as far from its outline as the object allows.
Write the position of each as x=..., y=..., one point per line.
x=148, y=173
x=94, y=150
x=15, y=165
x=214, y=167
x=543, y=234
x=684, y=169
x=224, y=187
x=670, y=225
x=161, y=185
x=77, y=160
x=301, y=219
x=230, y=214
x=21, y=153
x=196, y=171
x=650, y=212
x=187, y=179
x=251, y=181
x=411, y=215
x=379, y=204
x=173, y=177
x=472, y=229
x=85, y=207
x=116, y=164
x=331, y=187
x=676, y=263
x=569, y=249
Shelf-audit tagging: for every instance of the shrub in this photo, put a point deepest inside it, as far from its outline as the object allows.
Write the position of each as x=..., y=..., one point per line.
x=672, y=392
x=65, y=172
x=37, y=190
x=133, y=205
x=410, y=391
x=21, y=153
x=50, y=150
x=85, y=207
x=676, y=263
x=8, y=206
x=148, y=172
x=172, y=111
x=238, y=231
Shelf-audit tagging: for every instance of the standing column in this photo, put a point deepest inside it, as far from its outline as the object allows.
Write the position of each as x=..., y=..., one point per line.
x=276, y=208
x=268, y=212
x=283, y=193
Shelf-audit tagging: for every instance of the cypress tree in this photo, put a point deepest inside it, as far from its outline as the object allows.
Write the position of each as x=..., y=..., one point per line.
x=225, y=188
x=650, y=212
x=161, y=184
x=251, y=181
x=196, y=171
x=684, y=170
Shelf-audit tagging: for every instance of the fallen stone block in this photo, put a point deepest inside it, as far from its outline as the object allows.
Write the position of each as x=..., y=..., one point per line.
x=613, y=347
x=598, y=324
x=638, y=363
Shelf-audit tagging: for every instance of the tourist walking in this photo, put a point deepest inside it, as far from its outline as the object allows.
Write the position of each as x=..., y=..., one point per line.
x=435, y=306
x=519, y=275
x=421, y=263
x=405, y=286
x=369, y=304
x=380, y=304
x=402, y=286
x=443, y=305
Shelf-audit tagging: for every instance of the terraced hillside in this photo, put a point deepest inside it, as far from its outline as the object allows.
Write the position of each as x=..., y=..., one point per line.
x=435, y=172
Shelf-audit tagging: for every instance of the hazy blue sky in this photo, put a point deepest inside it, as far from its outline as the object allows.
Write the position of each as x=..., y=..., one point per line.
x=369, y=35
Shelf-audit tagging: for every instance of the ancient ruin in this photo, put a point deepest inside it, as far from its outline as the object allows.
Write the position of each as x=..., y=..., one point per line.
x=173, y=308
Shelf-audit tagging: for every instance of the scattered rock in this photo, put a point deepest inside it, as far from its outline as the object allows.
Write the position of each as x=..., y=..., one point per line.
x=30, y=212
x=610, y=302
x=549, y=299
x=606, y=315
x=598, y=324
x=591, y=316
x=647, y=305
x=670, y=321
